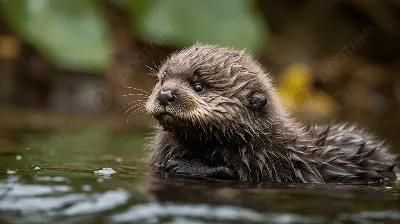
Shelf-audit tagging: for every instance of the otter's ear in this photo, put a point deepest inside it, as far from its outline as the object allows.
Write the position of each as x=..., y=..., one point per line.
x=257, y=100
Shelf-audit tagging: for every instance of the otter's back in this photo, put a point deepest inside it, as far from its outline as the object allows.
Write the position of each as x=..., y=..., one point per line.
x=358, y=152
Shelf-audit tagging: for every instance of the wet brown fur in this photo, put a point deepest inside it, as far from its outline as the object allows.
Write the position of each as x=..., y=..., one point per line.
x=220, y=125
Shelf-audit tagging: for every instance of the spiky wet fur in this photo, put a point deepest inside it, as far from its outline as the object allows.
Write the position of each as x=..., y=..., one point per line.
x=220, y=126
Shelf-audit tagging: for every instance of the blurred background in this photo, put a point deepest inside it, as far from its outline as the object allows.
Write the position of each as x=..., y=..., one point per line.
x=65, y=65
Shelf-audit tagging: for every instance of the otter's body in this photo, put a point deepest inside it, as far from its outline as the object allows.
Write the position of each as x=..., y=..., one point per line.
x=220, y=117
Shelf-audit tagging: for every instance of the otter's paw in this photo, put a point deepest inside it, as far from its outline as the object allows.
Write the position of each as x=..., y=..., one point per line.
x=197, y=168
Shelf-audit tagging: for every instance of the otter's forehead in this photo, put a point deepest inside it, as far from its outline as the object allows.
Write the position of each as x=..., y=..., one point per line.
x=208, y=58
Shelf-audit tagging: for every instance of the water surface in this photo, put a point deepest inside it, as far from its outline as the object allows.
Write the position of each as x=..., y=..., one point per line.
x=53, y=178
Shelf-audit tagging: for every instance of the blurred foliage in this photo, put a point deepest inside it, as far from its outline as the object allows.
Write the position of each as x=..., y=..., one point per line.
x=185, y=22
x=74, y=34
x=137, y=9
x=298, y=96
x=71, y=33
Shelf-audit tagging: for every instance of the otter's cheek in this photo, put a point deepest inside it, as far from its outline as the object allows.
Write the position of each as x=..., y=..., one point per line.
x=186, y=108
x=150, y=104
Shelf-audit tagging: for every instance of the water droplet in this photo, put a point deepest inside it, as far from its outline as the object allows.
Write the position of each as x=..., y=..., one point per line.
x=10, y=172
x=88, y=187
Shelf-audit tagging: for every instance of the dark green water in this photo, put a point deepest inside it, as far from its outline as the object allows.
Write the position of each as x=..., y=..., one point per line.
x=50, y=178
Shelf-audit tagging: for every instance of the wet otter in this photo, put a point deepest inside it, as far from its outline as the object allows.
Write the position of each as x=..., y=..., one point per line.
x=220, y=117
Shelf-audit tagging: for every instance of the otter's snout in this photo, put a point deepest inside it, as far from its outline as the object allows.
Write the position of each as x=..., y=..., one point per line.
x=165, y=97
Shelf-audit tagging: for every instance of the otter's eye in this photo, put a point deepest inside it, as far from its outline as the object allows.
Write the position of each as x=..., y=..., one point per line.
x=198, y=87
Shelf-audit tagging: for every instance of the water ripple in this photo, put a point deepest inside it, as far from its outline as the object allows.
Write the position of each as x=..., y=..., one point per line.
x=19, y=190
x=99, y=203
x=38, y=204
x=184, y=213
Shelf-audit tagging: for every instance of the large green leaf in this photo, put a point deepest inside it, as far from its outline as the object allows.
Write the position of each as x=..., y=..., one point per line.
x=232, y=23
x=71, y=33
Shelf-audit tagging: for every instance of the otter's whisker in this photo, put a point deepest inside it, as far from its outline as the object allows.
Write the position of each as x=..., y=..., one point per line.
x=135, y=112
x=134, y=106
x=134, y=101
x=138, y=89
x=138, y=100
x=153, y=70
x=136, y=94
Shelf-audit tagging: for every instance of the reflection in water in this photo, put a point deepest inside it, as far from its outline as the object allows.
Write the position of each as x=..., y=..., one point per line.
x=98, y=202
x=67, y=189
x=27, y=198
x=12, y=189
x=50, y=179
x=366, y=216
x=154, y=212
x=177, y=199
x=38, y=204
x=184, y=200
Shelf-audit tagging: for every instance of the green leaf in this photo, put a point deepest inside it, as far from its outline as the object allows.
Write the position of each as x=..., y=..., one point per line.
x=136, y=8
x=232, y=23
x=71, y=33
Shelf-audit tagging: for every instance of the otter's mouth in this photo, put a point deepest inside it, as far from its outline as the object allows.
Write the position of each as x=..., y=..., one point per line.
x=170, y=121
x=163, y=115
x=166, y=118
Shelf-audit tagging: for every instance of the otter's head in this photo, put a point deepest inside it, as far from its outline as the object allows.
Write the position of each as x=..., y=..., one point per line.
x=205, y=90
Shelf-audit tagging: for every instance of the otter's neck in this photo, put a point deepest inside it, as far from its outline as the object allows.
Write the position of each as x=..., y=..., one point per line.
x=278, y=127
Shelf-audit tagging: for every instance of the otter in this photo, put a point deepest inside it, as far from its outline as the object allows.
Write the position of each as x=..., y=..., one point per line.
x=220, y=117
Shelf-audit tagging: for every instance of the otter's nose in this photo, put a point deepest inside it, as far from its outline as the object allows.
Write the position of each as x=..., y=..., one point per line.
x=165, y=97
